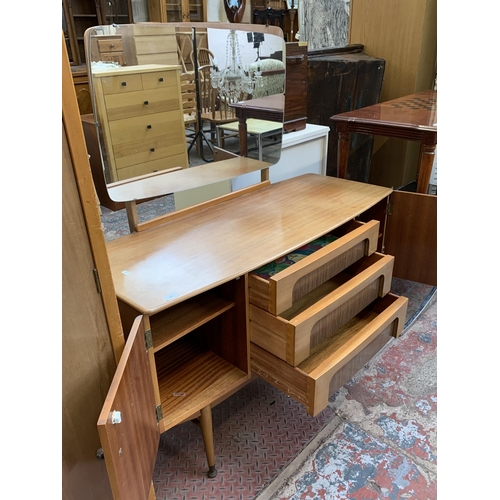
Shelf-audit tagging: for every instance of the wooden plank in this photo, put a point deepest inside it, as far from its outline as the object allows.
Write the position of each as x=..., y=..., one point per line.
x=130, y=445
x=83, y=175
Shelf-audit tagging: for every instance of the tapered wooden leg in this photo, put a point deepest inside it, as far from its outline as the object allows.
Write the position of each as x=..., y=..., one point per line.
x=426, y=160
x=208, y=438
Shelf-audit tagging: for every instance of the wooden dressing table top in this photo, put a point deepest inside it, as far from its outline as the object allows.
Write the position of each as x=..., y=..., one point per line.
x=169, y=263
x=415, y=111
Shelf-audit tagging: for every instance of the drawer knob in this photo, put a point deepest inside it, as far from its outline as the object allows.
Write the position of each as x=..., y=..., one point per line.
x=160, y=79
x=124, y=84
x=152, y=150
x=149, y=126
x=146, y=102
x=112, y=46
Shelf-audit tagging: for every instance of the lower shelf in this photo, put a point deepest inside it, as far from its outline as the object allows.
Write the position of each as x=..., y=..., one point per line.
x=337, y=359
x=190, y=377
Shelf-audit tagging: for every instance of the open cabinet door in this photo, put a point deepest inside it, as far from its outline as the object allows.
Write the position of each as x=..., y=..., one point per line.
x=411, y=236
x=127, y=424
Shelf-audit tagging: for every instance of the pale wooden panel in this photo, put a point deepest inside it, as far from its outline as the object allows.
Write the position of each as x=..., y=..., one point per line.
x=158, y=58
x=130, y=446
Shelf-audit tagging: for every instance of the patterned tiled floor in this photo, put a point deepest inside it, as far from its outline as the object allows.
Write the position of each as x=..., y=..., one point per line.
x=376, y=440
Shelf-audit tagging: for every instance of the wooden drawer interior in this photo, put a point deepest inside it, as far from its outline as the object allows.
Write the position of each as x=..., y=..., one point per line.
x=333, y=362
x=316, y=316
x=296, y=278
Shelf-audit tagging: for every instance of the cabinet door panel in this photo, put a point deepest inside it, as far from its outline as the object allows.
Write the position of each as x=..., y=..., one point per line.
x=130, y=445
x=411, y=236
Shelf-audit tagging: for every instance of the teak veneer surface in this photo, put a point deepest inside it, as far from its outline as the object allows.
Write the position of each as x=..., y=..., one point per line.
x=169, y=263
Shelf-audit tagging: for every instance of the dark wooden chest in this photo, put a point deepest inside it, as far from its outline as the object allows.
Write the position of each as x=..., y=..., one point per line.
x=339, y=80
x=295, y=116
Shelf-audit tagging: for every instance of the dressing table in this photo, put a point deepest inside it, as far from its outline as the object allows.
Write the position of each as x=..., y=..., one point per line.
x=201, y=313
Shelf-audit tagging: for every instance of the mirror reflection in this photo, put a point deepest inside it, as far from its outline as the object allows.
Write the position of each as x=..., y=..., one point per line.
x=165, y=96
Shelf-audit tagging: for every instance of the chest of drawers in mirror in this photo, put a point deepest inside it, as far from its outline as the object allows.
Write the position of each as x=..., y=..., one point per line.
x=140, y=119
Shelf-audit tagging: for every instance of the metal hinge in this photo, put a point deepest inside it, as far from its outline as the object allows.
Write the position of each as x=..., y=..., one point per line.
x=389, y=208
x=97, y=280
x=148, y=338
x=159, y=413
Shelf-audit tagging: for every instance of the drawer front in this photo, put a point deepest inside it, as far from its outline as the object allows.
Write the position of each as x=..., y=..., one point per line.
x=292, y=335
x=151, y=166
x=110, y=45
x=121, y=84
x=114, y=57
x=132, y=153
x=159, y=80
x=336, y=360
x=277, y=293
x=143, y=102
x=142, y=127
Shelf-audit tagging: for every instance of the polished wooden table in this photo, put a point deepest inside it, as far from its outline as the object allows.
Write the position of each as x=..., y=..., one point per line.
x=413, y=117
x=263, y=108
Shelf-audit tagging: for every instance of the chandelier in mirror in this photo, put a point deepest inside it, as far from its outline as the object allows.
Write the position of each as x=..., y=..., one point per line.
x=235, y=80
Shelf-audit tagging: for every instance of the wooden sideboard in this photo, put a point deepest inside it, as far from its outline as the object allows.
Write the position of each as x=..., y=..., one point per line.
x=139, y=110
x=201, y=316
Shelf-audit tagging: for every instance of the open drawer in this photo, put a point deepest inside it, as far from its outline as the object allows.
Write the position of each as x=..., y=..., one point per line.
x=276, y=286
x=336, y=360
x=292, y=335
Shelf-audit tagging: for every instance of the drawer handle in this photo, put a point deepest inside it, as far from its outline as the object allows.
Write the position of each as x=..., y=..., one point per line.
x=112, y=46
x=152, y=150
x=146, y=102
x=148, y=126
x=160, y=79
x=124, y=84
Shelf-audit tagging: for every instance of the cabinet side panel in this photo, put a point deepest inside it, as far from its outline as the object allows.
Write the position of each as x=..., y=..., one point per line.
x=87, y=356
x=411, y=236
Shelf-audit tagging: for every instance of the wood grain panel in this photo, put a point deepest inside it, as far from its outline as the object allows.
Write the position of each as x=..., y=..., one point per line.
x=411, y=236
x=243, y=233
x=130, y=446
x=87, y=356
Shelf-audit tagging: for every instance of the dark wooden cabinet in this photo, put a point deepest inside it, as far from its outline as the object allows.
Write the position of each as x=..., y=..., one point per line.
x=79, y=15
x=339, y=80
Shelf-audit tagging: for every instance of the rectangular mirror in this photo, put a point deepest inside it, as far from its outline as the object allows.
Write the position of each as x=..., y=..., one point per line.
x=164, y=93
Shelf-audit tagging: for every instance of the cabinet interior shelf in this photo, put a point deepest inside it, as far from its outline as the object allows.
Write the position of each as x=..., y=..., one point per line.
x=185, y=317
x=190, y=376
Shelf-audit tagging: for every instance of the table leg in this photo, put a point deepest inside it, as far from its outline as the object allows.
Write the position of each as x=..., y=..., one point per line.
x=208, y=438
x=426, y=160
x=242, y=130
x=343, y=151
